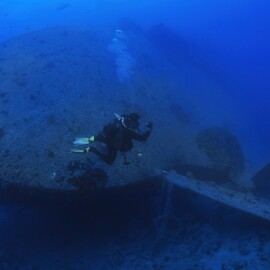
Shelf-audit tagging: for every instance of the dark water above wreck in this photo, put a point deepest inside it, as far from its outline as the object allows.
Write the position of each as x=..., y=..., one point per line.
x=150, y=225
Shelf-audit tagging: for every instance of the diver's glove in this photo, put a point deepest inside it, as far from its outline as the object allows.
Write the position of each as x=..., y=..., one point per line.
x=149, y=125
x=83, y=141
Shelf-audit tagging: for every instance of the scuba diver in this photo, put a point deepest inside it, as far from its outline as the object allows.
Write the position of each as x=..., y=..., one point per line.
x=117, y=136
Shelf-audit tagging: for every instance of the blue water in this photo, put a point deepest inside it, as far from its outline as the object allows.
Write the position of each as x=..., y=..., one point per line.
x=232, y=37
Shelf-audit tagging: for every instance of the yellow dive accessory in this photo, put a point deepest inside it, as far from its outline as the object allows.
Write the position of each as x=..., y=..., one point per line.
x=84, y=141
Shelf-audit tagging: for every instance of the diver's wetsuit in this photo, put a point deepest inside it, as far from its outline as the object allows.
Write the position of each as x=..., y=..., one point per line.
x=118, y=138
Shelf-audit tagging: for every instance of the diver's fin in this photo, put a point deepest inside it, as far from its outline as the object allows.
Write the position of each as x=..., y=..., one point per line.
x=77, y=151
x=83, y=141
x=80, y=151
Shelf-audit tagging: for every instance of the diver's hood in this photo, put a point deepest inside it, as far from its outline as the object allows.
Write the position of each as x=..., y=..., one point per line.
x=131, y=121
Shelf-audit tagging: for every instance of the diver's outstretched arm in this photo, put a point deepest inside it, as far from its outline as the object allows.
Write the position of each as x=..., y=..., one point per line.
x=142, y=136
